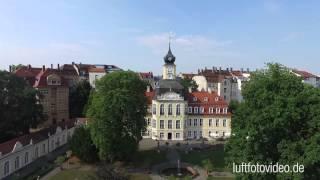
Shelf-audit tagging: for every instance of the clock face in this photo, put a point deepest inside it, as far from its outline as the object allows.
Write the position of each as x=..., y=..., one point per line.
x=169, y=58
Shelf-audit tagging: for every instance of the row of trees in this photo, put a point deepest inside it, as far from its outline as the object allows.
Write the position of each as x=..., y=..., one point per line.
x=278, y=121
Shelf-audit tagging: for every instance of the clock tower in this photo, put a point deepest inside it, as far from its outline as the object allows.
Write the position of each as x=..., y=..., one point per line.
x=169, y=68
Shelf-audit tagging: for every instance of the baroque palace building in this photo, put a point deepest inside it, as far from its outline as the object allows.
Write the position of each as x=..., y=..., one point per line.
x=176, y=113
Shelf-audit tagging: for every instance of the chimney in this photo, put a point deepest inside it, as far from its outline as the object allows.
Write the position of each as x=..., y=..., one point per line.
x=210, y=90
x=148, y=88
x=220, y=68
x=72, y=63
x=43, y=67
x=248, y=69
x=10, y=68
x=190, y=89
x=212, y=68
x=241, y=69
x=227, y=69
x=29, y=66
x=58, y=66
x=198, y=71
x=231, y=69
x=51, y=66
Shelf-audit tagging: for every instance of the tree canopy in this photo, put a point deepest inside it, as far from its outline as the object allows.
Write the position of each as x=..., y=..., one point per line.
x=19, y=106
x=116, y=113
x=82, y=145
x=78, y=98
x=186, y=83
x=278, y=121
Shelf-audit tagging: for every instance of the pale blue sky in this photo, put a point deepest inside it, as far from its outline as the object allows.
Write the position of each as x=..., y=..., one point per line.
x=133, y=34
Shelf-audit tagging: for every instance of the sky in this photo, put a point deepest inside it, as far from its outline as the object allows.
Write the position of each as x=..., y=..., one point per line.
x=134, y=34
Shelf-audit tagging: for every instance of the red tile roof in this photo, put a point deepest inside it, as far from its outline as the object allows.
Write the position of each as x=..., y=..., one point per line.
x=146, y=75
x=97, y=70
x=29, y=73
x=36, y=137
x=41, y=78
x=207, y=100
x=304, y=74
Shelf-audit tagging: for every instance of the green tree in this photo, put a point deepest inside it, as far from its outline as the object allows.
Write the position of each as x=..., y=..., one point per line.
x=82, y=145
x=186, y=83
x=15, y=67
x=19, y=106
x=78, y=98
x=116, y=113
x=278, y=121
x=207, y=165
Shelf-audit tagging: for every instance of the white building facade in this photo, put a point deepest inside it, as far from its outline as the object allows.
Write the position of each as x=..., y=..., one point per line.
x=175, y=113
x=20, y=152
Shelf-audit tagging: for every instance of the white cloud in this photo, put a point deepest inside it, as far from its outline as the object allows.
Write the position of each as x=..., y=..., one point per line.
x=186, y=44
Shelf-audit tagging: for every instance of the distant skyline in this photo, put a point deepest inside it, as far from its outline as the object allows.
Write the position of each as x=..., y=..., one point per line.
x=134, y=34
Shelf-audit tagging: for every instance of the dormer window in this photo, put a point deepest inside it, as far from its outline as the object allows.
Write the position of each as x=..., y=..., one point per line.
x=195, y=110
x=216, y=99
x=225, y=110
x=194, y=98
x=201, y=110
x=206, y=99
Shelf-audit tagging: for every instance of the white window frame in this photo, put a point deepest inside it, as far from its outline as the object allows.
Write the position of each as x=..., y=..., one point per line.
x=161, y=124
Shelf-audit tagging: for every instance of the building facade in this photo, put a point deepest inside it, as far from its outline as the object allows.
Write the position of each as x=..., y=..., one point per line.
x=227, y=83
x=177, y=113
x=54, y=91
x=22, y=151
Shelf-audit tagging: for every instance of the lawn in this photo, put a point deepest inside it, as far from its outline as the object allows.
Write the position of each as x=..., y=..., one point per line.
x=148, y=158
x=216, y=156
x=139, y=177
x=74, y=174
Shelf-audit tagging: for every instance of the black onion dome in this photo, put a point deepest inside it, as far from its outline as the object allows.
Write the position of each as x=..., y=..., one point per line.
x=169, y=58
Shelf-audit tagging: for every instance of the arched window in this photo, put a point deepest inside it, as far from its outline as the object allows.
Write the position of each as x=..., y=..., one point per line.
x=26, y=158
x=36, y=153
x=170, y=109
x=17, y=162
x=154, y=109
x=6, y=168
x=161, y=109
x=178, y=109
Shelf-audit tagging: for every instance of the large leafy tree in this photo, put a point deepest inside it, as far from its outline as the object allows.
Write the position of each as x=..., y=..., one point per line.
x=116, y=113
x=186, y=83
x=278, y=121
x=19, y=106
x=82, y=145
x=78, y=98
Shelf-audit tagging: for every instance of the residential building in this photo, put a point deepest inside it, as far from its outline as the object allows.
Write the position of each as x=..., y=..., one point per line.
x=177, y=114
x=227, y=83
x=307, y=77
x=54, y=90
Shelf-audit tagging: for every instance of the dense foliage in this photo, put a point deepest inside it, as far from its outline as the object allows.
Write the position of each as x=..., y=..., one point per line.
x=279, y=121
x=78, y=97
x=82, y=145
x=186, y=83
x=116, y=112
x=19, y=106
